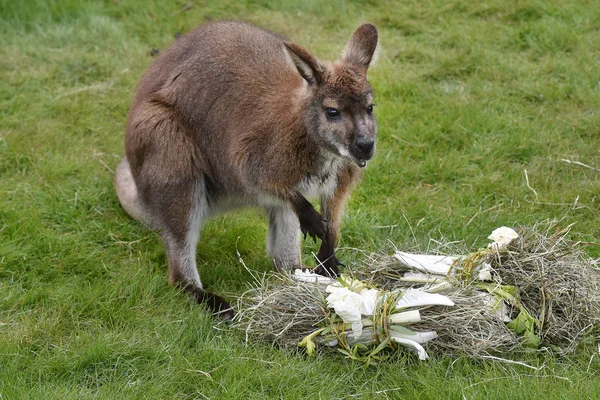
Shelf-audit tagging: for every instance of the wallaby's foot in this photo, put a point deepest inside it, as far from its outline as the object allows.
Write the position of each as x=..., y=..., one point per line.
x=216, y=304
x=329, y=267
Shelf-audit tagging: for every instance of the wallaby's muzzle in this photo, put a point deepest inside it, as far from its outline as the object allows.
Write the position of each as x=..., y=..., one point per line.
x=363, y=150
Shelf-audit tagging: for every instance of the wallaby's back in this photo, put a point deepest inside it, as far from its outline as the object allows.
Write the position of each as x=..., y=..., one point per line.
x=225, y=81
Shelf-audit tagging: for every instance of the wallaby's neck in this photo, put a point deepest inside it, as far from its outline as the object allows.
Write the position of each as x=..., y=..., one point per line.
x=308, y=146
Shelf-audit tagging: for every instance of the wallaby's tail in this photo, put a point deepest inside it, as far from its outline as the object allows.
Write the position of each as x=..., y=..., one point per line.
x=127, y=191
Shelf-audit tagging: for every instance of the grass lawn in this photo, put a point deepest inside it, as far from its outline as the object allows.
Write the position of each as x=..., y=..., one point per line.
x=489, y=115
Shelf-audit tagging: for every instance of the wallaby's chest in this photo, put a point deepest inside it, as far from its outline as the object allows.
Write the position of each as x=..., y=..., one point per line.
x=323, y=181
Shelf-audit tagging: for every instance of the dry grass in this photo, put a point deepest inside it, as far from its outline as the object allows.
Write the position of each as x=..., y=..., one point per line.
x=556, y=283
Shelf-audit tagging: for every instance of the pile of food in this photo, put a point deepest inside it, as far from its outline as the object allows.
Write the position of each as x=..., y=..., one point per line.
x=527, y=290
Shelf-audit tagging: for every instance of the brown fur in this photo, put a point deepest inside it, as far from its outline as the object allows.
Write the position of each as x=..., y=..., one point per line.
x=231, y=115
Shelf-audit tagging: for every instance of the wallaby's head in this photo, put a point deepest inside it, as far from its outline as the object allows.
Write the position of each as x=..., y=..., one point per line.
x=339, y=97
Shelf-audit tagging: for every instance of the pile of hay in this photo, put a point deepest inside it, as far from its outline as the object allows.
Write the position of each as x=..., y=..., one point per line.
x=556, y=283
x=281, y=310
x=556, y=289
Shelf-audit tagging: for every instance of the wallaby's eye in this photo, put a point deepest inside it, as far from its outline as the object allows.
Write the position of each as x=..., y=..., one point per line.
x=332, y=113
x=370, y=109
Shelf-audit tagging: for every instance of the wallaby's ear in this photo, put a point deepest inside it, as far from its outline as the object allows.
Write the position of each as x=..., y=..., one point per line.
x=361, y=47
x=307, y=65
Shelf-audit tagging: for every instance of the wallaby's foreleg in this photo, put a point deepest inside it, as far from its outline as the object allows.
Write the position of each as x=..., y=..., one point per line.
x=285, y=224
x=332, y=207
x=283, y=240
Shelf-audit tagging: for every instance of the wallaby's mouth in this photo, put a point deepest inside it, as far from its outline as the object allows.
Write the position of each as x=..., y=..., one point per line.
x=360, y=158
x=356, y=155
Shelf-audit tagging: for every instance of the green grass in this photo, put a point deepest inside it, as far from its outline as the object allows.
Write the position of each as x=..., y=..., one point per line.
x=473, y=100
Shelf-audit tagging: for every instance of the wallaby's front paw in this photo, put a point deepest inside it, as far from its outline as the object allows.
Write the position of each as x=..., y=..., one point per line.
x=312, y=224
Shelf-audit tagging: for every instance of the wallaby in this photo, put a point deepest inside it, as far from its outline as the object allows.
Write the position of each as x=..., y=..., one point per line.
x=231, y=115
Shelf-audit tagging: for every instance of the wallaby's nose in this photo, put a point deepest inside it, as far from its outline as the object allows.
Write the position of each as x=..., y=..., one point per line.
x=365, y=145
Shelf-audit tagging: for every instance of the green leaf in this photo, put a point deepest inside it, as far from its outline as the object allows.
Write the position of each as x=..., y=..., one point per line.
x=381, y=346
x=519, y=324
x=326, y=330
x=401, y=329
x=372, y=361
x=361, y=347
x=309, y=344
x=525, y=325
x=512, y=290
x=344, y=281
x=346, y=353
x=531, y=340
x=506, y=292
x=524, y=322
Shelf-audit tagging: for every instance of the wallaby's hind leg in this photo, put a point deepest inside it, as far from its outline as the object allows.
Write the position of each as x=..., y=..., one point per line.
x=180, y=210
x=283, y=241
x=170, y=191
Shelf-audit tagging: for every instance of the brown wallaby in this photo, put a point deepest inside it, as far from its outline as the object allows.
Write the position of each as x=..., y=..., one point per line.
x=231, y=115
